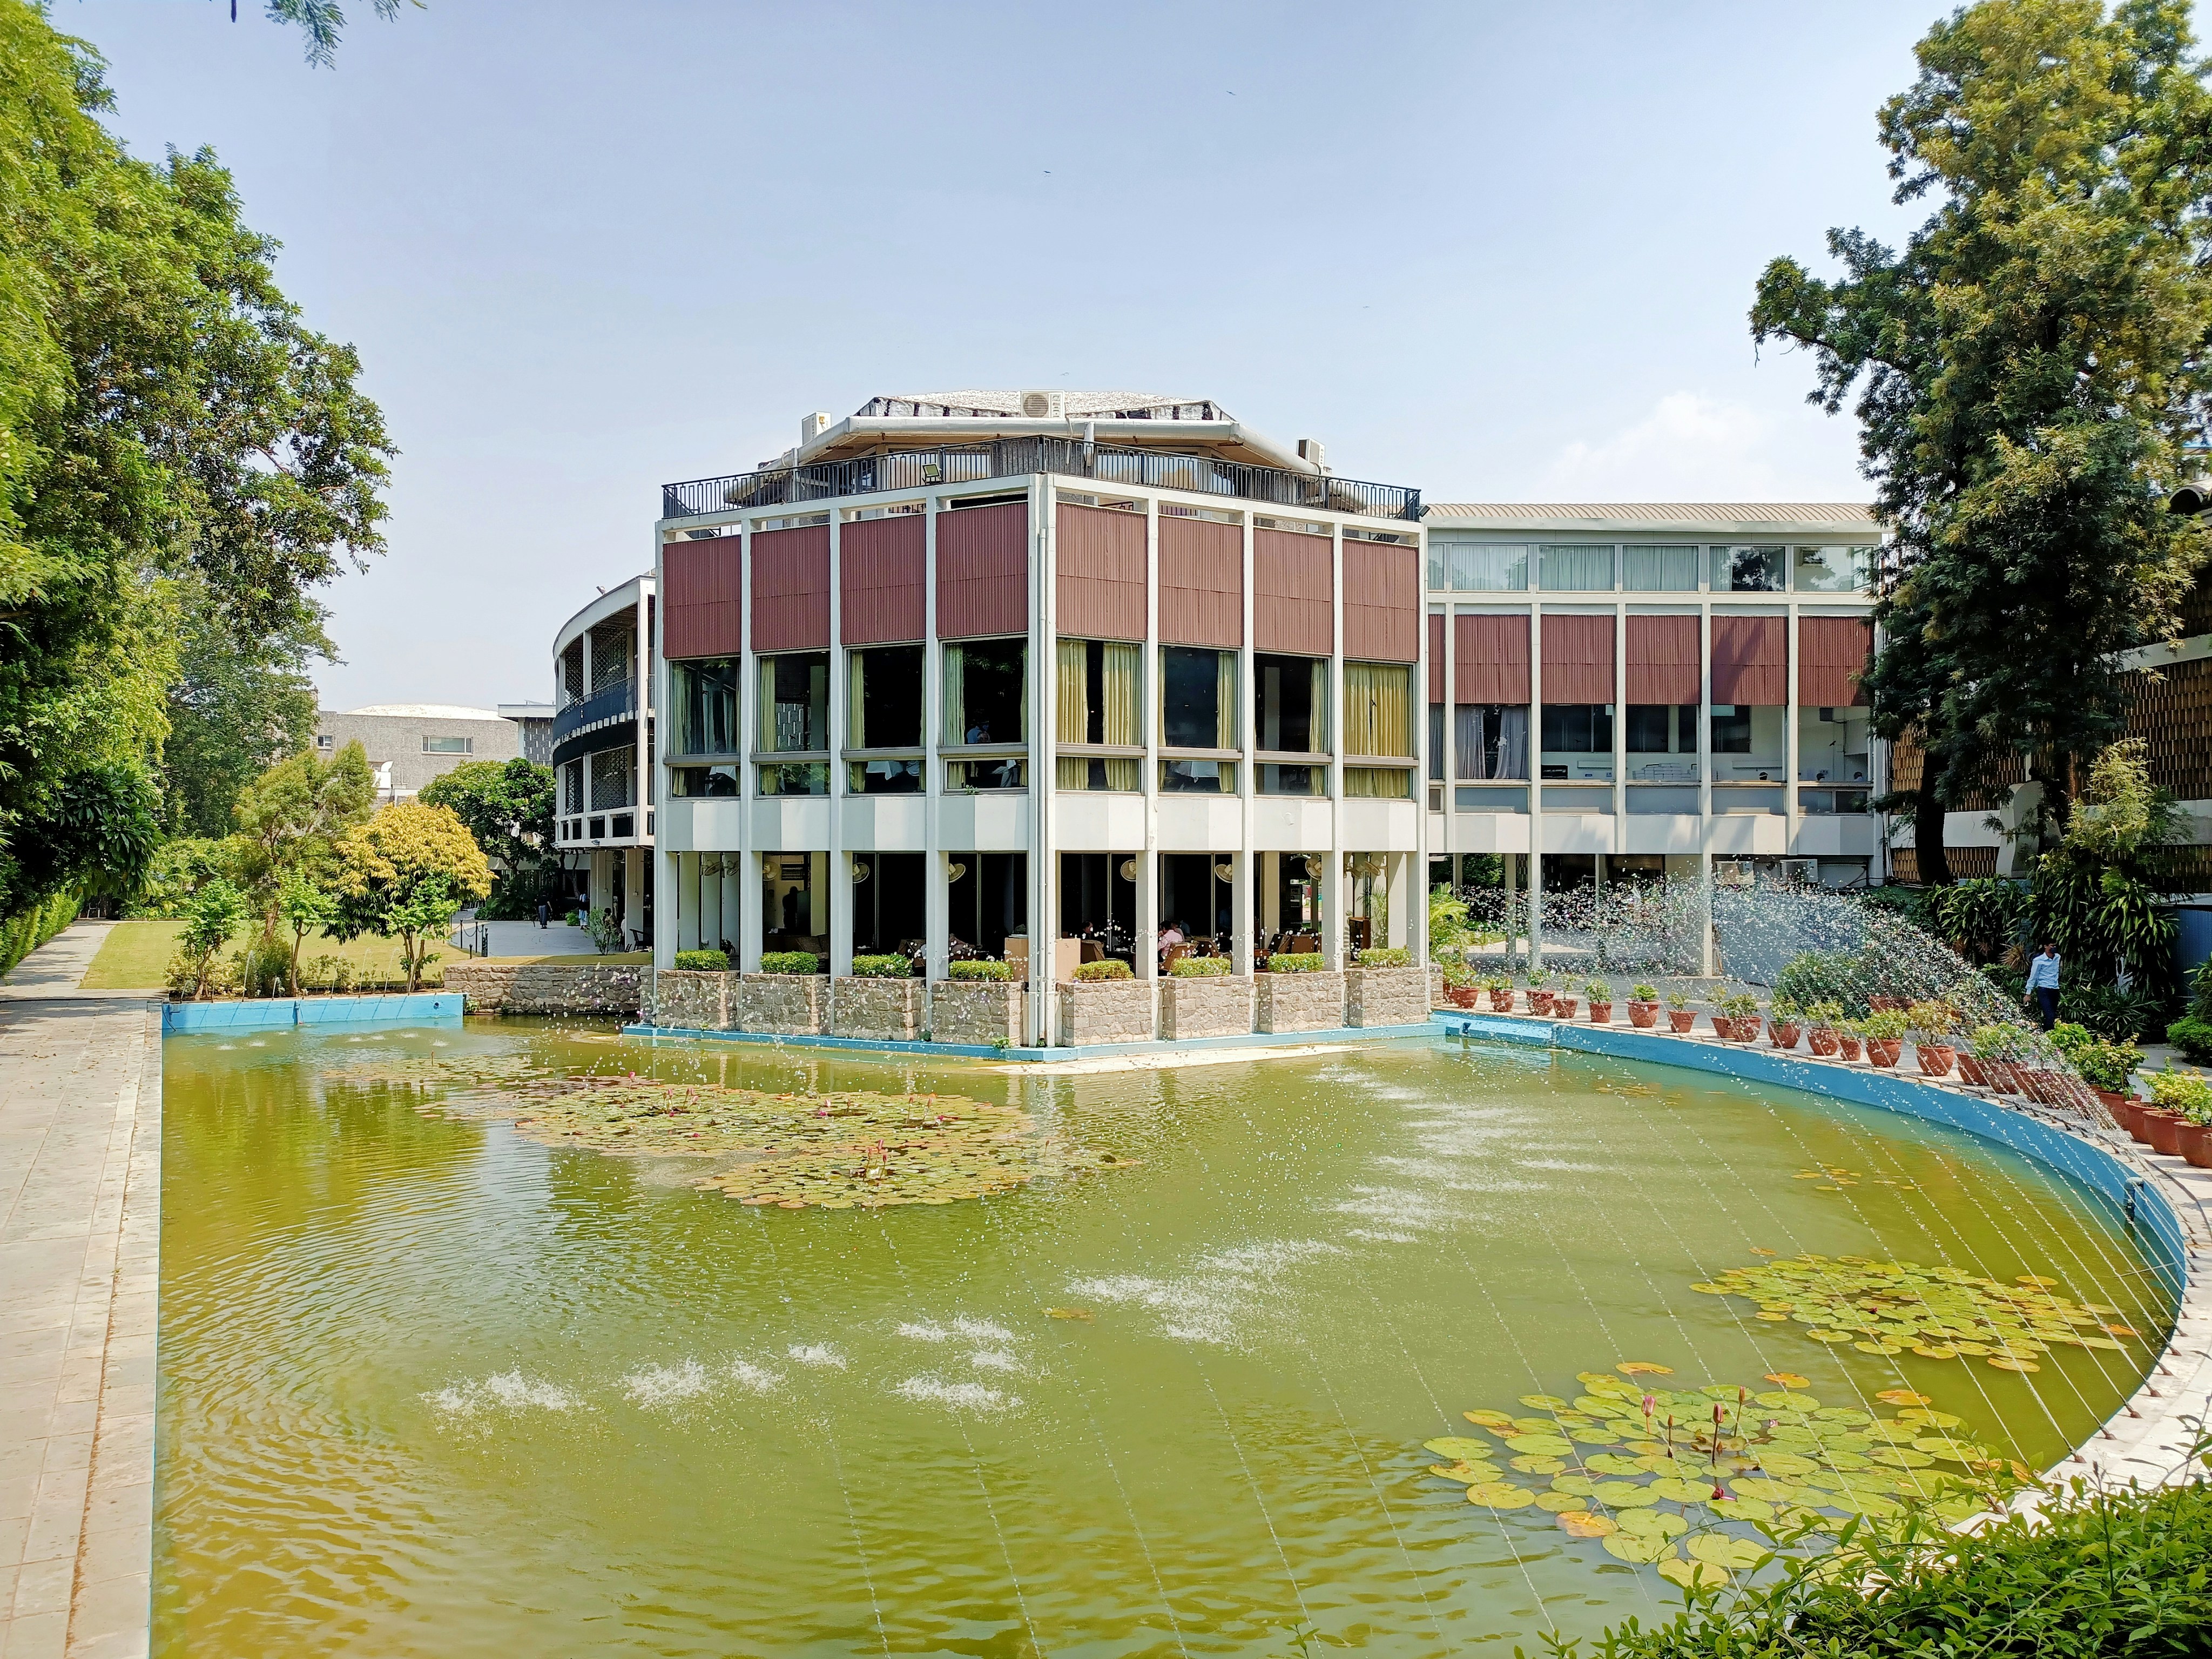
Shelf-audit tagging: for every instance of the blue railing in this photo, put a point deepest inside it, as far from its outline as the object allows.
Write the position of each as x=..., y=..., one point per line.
x=608, y=702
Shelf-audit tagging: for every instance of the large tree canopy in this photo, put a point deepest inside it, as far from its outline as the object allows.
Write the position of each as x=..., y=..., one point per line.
x=2029, y=368
x=175, y=444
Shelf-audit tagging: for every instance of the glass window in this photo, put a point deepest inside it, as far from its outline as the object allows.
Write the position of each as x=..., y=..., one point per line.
x=1378, y=709
x=705, y=693
x=614, y=778
x=1376, y=783
x=1746, y=570
x=1096, y=701
x=986, y=691
x=449, y=745
x=1731, y=729
x=1650, y=728
x=1659, y=570
x=1477, y=567
x=572, y=786
x=794, y=702
x=1290, y=704
x=1196, y=777
x=1198, y=698
x=987, y=775
x=701, y=783
x=324, y=740
x=1578, y=728
x=1834, y=569
x=885, y=777
x=884, y=703
x=804, y=778
x=1577, y=569
x=1293, y=780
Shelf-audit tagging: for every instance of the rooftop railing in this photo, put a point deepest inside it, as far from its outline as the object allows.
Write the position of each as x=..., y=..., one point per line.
x=1013, y=458
x=608, y=702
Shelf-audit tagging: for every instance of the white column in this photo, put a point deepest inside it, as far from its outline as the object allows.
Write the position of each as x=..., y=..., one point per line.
x=1705, y=774
x=1535, y=783
x=1043, y=764
x=1333, y=915
x=934, y=925
x=748, y=939
x=840, y=894
x=1417, y=920
x=1148, y=858
x=1247, y=777
x=1451, y=740
x=1789, y=715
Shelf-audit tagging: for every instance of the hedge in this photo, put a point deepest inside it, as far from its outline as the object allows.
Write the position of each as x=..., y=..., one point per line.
x=1303, y=962
x=1091, y=972
x=790, y=961
x=987, y=970
x=882, y=967
x=701, y=962
x=1385, y=957
x=26, y=930
x=1201, y=968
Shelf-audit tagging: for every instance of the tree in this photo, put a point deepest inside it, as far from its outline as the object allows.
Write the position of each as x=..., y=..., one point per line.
x=210, y=917
x=2030, y=370
x=508, y=807
x=167, y=422
x=238, y=705
x=321, y=19
x=305, y=907
x=291, y=815
x=404, y=875
x=2099, y=895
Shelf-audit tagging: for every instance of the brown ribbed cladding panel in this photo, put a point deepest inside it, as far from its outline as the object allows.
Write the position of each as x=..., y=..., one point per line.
x=1436, y=656
x=1578, y=660
x=881, y=563
x=1291, y=586
x=1382, y=602
x=1829, y=650
x=791, y=589
x=1490, y=659
x=983, y=571
x=1099, y=557
x=701, y=585
x=1202, y=584
x=1662, y=660
x=1751, y=660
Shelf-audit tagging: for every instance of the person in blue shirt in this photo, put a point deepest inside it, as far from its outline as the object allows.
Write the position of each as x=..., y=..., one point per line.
x=2043, y=984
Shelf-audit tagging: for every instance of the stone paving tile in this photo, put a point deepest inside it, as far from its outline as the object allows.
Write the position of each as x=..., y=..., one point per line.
x=80, y=1128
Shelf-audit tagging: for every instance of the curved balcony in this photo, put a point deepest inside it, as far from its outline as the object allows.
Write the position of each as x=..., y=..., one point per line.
x=609, y=702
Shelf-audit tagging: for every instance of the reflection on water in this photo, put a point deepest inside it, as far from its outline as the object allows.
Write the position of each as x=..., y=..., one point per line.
x=428, y=1389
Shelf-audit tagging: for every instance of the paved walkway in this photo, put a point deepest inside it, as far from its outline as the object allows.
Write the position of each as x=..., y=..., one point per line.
x=80, y=1225
x=528, y=938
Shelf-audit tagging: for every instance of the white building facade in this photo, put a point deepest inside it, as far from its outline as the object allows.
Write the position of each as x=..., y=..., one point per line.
x=602, y=738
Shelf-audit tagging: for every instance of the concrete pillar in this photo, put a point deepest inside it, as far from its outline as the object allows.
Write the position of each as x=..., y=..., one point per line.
x=749, y=911
x=1705, y=963
x=633, y=878
x=1333, y=887
x=1044, y=772
x=1147, y=951
x=1535, y=785
x=1240, y=904
x=934, y=926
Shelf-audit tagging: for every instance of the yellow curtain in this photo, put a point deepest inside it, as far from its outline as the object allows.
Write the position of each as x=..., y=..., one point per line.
x=767, y=703
x=1317, y=727
x=1119, y=671
x=956, y=695
x=854, y=702
x=1224, y=696
x=1074, y=712
x=1378, y=709
x=1375, y=782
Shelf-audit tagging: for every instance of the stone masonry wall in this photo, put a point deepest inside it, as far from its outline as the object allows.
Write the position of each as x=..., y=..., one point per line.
x=879, y=1009
x=1108, y=1010
x=537, y=987
x=980, y=1012
x=784, y=1005
x=1301, y=1002
x=1220, y=1007
x=1386, y=996
x=694, y=1002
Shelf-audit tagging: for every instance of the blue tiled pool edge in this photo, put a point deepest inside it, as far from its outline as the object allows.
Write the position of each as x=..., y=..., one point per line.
x=1037, y=1056
x=2097, y=1168
x=282, y=1013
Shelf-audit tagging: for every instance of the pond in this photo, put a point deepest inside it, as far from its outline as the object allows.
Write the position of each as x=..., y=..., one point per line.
x=430, y=1386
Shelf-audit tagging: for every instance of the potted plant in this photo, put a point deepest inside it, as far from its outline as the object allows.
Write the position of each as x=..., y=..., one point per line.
x=1463, y=988
x=1681, y=1017
x=1850, y=1038
x=1600, y=1001
x=1884, y=1035
x=1985, y=1043
x=1540, y=991
x=1562, y=1007
x=1824, y=1039
x=1932, y=1023
x=1500, y=987
x=2105, y=1065
x=2178, y=1098
x=1642, y=1006
x=1783, y=1018
x=1736, y=1017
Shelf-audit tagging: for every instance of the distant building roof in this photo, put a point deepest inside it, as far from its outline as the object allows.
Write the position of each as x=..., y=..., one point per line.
x=428, y=711
x=1851, y=513
x=1074, y=405
x=526, y=711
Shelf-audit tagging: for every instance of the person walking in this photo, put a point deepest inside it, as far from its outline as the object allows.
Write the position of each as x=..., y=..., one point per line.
x=545, y=913
x=2043, y=984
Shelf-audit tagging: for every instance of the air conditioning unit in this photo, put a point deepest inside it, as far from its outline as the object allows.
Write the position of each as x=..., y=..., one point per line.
x=1310, y=450
x=1043, y=405
x=812, y=427
x=1801, y=873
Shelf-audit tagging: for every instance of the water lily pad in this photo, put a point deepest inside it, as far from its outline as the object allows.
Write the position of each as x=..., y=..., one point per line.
x=1904, y=1457
x=1560, y=1502
x=1679, y=1490
x=1653, y=1523
x=1935, y=1352
x=1467, y=1473
x=1538, y=1445
x=1745, y=1508
x=1614, y=1463
x=1934, y=1419
x=1624, y=1495
x=1781, y=1399
x=1775, y=1492
x=2006, y=1363
x=1787, y=1465
x=1455, y=1446
x=1581, y=1485
x=1582, y=1523
x=1487, y=1419
x=1594, y=1436
x=1637, y=1548
x=1500, y=1495
x=1901, y=1397
x=1643, y=1368
x=1550, y=1402
x=1528, y=1465
x=1729, y=1554
x=1693, y=1574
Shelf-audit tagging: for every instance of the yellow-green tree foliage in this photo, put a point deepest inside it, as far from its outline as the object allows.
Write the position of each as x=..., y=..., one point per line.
x=406, y=848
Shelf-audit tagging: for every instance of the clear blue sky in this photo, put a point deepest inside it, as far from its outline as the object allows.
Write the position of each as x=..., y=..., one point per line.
x=1500, y=251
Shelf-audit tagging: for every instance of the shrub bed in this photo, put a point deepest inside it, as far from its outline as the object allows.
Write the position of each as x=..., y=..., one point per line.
x=1201, y=968
x=1381, y=956
x=1091, y=972
x=789, y=962
x=985, y=971
x=883, y=967
x=701, y=962
x=1304, y=962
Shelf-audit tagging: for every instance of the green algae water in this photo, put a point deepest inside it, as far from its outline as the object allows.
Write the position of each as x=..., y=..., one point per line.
x=430, y=1388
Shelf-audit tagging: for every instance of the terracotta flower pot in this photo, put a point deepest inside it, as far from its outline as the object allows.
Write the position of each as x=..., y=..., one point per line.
x=1562, y=1007
x=1850, y=1045
x=1463, y=996
x=1643, y=1015
x=2003, y=1075
x=1782, y=1034
x=1822, y=1042
x=1539, y=1002
x=1501, y=1002
x=1601, y=1013
x=1884, y=1052
x=2195, y=1142
x=1935, y=1058
x=2165, y=1131
x=1681, y=1021
x=2138, y=1123
x=1971, y=1071
x=1886, y=1005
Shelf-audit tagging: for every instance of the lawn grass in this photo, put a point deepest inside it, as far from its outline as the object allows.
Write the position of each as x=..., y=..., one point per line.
x=135, y=956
